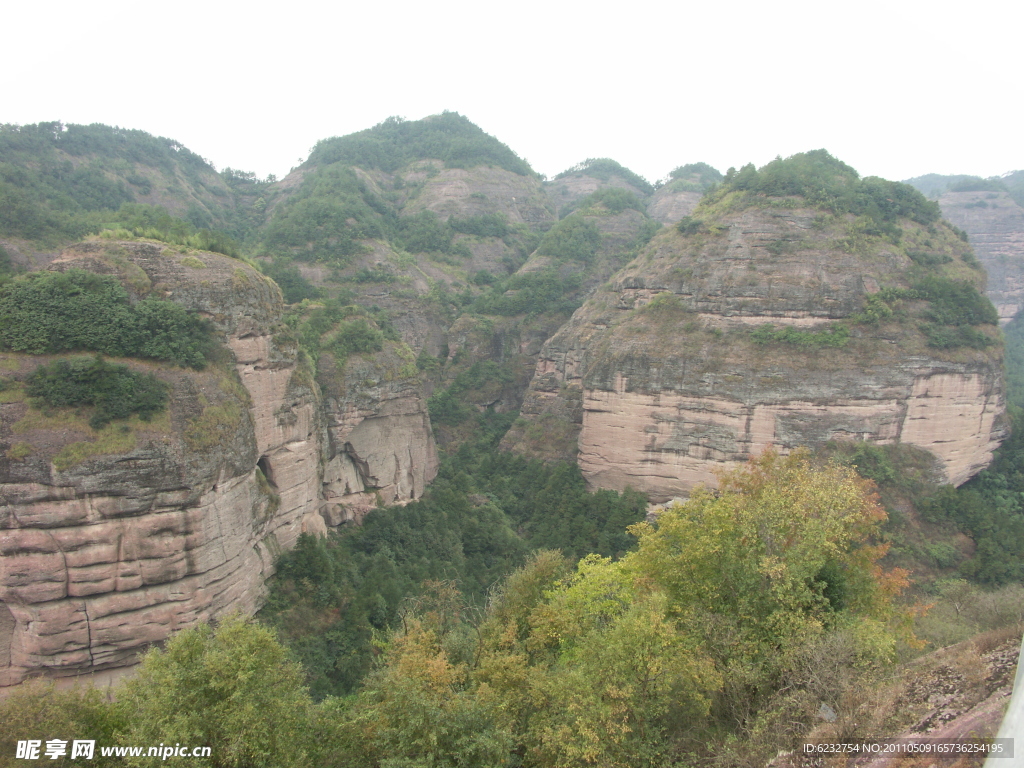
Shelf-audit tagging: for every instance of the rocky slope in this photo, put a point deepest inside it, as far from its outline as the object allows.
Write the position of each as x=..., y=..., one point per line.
x=995, y=223
x=715, y=344
x=112, y=540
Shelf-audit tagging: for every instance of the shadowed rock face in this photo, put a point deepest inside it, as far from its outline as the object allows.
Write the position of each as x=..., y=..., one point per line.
x=995, y=224
x=116, y=551
x=658, y=381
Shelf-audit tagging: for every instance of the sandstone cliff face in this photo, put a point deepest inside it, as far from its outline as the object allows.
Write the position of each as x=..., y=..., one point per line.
x=995, y=223
x=110, y=542
x=380, y=448
x=659, y=380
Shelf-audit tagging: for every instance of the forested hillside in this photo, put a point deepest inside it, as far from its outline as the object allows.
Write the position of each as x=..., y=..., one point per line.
x=505, y=611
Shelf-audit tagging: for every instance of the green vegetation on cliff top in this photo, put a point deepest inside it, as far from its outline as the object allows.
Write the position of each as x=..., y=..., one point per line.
x=52, y=312
x=698, y=177
x=394, y=143
x=603, y=168
x=935, y=185
x=59, y=182
x=830, y=184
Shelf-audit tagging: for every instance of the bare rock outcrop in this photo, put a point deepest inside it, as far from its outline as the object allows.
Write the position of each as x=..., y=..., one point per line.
x=680, y=367
x=380, y=448
x=669, y=204
x=111, y=541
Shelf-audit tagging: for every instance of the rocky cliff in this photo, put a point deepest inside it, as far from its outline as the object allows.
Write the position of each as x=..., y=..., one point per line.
x=766, y=321
x=995, y=223
x=111, y=540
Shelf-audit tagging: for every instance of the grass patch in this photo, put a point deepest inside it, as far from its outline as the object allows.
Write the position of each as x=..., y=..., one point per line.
x=113, y=438
x=216, y=426
x=192, y=261
x=12, y=392
x=55, y=420
x=835, y=335
x=19, y=451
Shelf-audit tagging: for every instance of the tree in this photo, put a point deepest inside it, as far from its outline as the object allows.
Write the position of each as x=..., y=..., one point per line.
x=419, y=709
x=620, y=674
x=778, y=557
x=233, y=689
x=38, y=711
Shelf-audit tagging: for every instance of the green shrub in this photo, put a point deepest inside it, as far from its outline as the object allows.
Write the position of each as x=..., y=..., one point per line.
x=532, y=293
x=603, y=168
x=354, y=336
x=835, y=335
x=375, y=275
x=574, y=238
x=115, y=391
x=614, y=199
x=696, y=177
x=690, y=225
x=955, y=302
x=926, y=259
x=954, y=336
x=52, y=312
x=395, y=143
x=482, y=225
x=424, y=233
x=293, y=285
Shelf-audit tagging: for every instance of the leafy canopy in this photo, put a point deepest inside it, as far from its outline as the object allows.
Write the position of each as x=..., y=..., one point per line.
x=614, y=200
x=574, y=238
x=52, y=312
x=232, y=688
x=781, y=553
x=394, y=143
x=831, y=184
x=603, y=168
x=701, y=173
x=116, y=391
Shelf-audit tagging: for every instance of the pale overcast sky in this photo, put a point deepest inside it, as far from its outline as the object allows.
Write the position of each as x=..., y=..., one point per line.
x=895, y=89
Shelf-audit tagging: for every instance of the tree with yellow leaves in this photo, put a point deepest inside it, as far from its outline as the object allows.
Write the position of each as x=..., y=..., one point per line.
x=781, y=554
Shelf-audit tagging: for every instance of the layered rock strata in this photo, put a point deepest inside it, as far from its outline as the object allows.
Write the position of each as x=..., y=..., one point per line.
x=108, y=547
x=380, y=448
x=995, y=223
x=667, y=376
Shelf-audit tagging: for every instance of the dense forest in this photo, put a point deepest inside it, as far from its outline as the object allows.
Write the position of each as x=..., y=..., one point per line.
x=510, y=616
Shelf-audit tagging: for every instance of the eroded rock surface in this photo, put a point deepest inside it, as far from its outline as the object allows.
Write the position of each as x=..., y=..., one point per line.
x=659, y=381
x=380, y=448
x=995, y=223
x=108, y=550
x=669, y=205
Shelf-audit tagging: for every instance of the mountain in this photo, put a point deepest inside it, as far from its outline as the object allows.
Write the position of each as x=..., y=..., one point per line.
x=798, y=304
x=427, y=289
x=61, y=182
